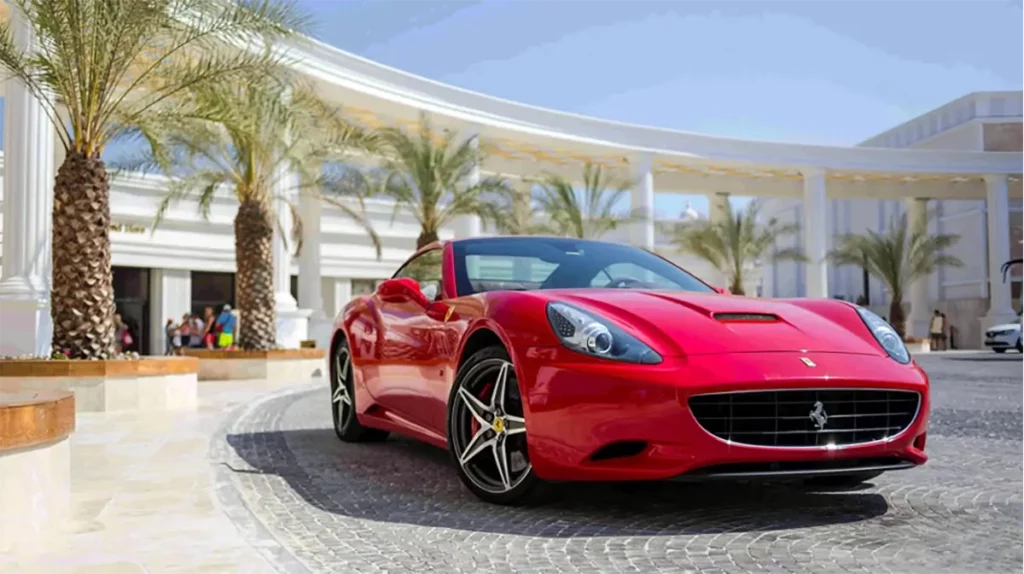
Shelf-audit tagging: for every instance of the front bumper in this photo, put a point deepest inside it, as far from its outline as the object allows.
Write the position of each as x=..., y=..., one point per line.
x=1005, y=341
x=581, y=409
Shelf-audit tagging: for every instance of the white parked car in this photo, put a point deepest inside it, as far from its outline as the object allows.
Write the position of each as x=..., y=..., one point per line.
x=1003, y=337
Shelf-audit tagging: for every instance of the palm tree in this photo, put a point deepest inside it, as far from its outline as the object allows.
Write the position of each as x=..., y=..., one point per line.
x=512, y=211
x=260, y=139
x=429, y=174
x=898, y=257
x=111, y=64
x=586, y=217
x=737, y=242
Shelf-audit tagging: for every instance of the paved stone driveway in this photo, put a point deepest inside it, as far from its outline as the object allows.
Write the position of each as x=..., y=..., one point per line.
x=311, y=503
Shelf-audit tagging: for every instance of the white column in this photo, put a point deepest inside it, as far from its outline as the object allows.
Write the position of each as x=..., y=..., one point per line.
x=170, y=297
x=997, y=209
x=718, y=211
x=283, y=246
x=310, y=293
x=641, y=201
x=341, y=293
x=292, y=322
x=310, y=279
x=815, y=232
x=920, y=293
x=465, y=226
x=718, y=206
x=29, y=173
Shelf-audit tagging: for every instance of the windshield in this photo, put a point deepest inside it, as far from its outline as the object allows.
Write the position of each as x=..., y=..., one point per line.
x=528, y=263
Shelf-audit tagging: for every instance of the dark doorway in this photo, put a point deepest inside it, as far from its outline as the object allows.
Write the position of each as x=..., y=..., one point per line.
x=131, y=299
x=211, y=289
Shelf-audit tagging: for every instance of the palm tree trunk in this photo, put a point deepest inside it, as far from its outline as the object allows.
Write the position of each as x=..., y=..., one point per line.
x=736, y=287
x=427, y=236
x=82, y=301
x=254, y=235
x=896, y=316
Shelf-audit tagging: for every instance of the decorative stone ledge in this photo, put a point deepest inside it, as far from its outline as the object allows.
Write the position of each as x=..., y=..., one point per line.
x=275, y=364
x=35, y=467
x=918, y=346
x=149, y=383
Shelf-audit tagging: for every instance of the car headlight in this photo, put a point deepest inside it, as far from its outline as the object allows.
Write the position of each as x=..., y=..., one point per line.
x=585, y=333
x=886, y=336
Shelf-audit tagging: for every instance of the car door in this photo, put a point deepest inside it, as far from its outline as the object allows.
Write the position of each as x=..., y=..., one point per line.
x=409, y=357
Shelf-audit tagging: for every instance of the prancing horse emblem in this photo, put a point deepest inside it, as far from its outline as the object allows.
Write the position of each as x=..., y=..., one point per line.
x=818, y=415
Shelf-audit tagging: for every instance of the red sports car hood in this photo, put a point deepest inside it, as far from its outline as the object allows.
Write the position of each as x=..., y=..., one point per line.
x=701, y=324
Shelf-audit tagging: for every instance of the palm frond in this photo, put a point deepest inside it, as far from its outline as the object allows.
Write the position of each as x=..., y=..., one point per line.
x=735, y=243
x=113, y=63
x=429, y=173
x=899, y=256
x=588, y=213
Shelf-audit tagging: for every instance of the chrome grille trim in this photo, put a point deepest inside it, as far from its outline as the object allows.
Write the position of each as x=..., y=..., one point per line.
x=780, y=418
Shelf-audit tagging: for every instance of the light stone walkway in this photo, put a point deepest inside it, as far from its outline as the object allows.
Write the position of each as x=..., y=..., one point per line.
x=143, y=494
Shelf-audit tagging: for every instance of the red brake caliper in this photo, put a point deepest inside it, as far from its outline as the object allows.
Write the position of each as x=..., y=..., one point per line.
x=483, y=396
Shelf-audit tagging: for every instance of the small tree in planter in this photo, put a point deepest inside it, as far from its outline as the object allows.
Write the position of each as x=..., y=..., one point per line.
x=428, y=173
x=898, y=257
x=588, y=213
x=242, y=137
x=734, y=244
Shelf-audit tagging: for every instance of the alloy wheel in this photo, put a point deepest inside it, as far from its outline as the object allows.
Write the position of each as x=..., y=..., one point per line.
x=489, y=429
x=341, y=397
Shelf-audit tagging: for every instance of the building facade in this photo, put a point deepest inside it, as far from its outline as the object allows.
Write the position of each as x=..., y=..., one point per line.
x=985, y=121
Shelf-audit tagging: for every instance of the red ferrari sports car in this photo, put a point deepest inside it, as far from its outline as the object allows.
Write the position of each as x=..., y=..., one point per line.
x=536, y=360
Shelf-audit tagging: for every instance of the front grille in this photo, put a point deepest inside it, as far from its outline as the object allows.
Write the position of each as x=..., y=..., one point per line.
x=806, y=417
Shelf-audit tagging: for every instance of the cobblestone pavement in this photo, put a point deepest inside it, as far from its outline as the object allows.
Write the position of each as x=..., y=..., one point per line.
x=319, y=505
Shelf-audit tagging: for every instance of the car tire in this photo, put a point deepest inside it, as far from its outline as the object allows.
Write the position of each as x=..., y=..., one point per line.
x=999, y=350
x=841, y=481
x=343, y=400
x=476, y=448
x=1020, y=349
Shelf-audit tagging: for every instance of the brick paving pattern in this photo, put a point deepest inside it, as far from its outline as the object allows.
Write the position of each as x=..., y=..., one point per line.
x=399, y=507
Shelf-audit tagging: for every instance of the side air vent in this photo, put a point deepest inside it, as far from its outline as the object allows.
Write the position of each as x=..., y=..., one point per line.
x=746, y=317
x=620, y=449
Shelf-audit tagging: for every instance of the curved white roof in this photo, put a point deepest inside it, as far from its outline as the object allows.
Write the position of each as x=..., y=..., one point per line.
x=515, y=131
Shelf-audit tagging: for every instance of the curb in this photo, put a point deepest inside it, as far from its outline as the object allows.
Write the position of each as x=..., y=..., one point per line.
x=224, y=464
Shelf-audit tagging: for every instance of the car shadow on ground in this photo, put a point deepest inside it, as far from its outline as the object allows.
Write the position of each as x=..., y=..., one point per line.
x=403, y=481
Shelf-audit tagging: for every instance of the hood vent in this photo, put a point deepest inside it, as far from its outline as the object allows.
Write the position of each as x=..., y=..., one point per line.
x=746, y=317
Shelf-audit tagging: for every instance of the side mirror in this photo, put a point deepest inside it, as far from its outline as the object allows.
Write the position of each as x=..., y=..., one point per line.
x=722, y=290
x=402, y=290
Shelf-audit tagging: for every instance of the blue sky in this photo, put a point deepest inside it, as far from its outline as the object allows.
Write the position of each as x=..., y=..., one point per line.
x=828, y=72
x=824, y=72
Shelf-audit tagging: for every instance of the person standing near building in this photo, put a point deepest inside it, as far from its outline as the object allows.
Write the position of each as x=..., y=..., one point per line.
x=209, y=331
x=226, y=328
x=936, y=330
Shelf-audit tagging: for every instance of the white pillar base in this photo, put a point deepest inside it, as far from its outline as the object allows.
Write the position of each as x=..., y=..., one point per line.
x=321, y=330
x=292, y=327
x=27, y=325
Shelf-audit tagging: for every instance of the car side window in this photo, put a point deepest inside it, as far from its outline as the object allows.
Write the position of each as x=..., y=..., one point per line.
x=425, y=270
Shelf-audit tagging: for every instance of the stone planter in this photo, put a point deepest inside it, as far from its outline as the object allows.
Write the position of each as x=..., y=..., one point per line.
x=918, y=346
x=278, y=364
x=149, y=383
x=35, y=467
